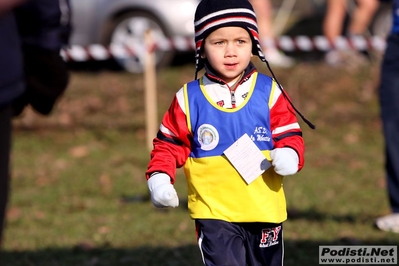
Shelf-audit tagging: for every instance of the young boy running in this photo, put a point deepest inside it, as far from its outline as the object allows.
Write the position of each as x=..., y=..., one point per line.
x=210, y=130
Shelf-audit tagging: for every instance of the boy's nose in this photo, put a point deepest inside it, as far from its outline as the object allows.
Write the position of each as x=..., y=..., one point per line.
x=230, y=49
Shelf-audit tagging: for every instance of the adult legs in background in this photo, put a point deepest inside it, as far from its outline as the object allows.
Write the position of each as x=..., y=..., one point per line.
x=334, y=19
x=389, y=99
x=359, y=21
x=264, y=16
x=5, y=148
x=362, y=16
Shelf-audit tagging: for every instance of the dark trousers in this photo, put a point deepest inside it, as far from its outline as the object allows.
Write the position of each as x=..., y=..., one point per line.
x=239, y=244
x=5, y=148
x=389, y=104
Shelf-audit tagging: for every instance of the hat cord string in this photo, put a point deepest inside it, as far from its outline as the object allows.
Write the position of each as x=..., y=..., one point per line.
x=310, y=124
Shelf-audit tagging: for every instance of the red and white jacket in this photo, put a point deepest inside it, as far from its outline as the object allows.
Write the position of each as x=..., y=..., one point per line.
x=172, y=144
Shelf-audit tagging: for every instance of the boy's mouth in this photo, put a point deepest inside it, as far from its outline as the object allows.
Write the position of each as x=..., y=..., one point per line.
x=230, y=65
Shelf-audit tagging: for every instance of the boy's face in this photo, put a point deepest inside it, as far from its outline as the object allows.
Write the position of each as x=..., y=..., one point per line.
x=229, y=51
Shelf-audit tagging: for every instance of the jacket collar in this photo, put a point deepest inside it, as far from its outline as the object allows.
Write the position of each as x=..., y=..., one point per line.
x=211, y=73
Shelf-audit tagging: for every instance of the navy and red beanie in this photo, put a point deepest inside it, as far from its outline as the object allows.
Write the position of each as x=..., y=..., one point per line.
x=214, y=14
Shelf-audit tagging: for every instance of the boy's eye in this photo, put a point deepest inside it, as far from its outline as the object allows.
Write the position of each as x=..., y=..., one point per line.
x=219, y=42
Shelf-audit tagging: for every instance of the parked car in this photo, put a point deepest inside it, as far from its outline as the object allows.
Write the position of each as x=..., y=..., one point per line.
x=126, y=21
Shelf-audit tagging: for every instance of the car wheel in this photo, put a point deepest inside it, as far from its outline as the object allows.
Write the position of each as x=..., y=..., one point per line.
x=129, y=29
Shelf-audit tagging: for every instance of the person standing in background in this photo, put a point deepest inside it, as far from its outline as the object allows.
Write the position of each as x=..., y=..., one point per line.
x=389, y=104
x=264, y=16
x=32, y=71
x=11, y=86
x=333, y=27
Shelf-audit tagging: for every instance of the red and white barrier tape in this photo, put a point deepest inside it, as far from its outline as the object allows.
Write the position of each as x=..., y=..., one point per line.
x=284, y=43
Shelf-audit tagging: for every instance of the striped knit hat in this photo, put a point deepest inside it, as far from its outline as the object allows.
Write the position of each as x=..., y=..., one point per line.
x=214, y=14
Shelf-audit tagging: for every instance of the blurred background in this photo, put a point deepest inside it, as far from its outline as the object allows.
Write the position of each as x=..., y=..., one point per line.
x=79, y=195
x=125, y=23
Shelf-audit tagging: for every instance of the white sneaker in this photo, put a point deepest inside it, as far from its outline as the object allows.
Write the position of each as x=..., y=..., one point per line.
x=389, y=223
x=278, y=58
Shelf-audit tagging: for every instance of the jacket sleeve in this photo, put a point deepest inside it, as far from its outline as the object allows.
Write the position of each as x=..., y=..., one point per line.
x=172, y=144
x=44, y=28
x=286, y=131
x=45, y=24
x=7, y=6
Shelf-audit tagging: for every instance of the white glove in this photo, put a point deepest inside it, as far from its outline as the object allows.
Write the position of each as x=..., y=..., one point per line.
x=163, y=194
x=285, y=161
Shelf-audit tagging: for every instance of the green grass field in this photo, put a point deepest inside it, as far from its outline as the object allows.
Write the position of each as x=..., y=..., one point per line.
x=77, y=173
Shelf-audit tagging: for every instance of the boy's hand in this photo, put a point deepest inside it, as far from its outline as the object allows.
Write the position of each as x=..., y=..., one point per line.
x=163, y=194
x=285, y=161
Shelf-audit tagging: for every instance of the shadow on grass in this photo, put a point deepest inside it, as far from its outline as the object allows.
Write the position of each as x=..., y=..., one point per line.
x=301, y=252
x=83, y=255
x=314, y=215
x=293, y=214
